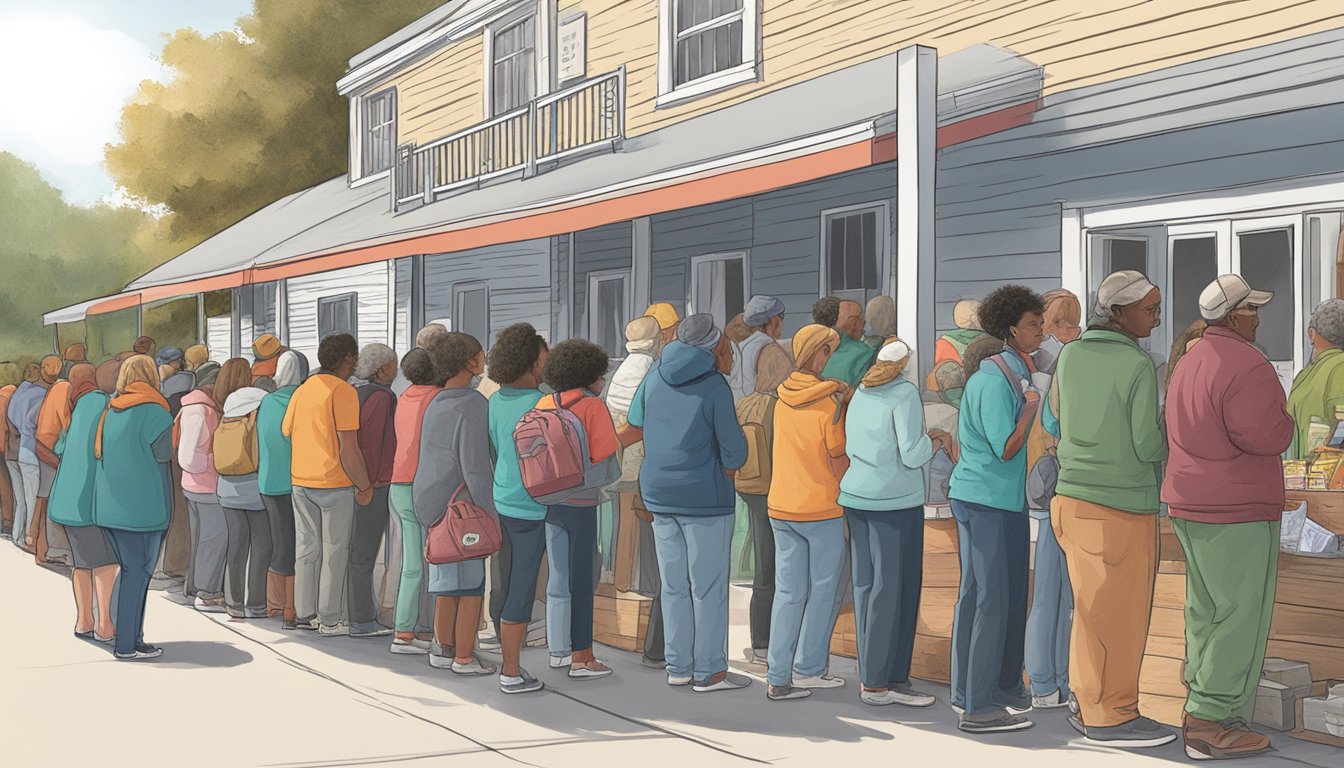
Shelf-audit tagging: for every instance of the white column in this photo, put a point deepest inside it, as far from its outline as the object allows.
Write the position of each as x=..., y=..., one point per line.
x=916, y=184
x=641, y=264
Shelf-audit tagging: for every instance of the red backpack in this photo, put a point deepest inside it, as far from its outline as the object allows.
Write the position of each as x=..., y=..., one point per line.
x=552, y=447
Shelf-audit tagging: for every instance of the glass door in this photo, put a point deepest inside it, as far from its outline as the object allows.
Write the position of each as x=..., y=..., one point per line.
x=1136, y=248
x=1267, y=252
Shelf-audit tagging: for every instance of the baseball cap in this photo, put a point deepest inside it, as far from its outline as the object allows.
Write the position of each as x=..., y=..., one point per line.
x=1226, y=294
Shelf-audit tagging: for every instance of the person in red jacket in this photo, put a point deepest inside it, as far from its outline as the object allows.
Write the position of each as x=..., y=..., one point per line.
x=1227, y=426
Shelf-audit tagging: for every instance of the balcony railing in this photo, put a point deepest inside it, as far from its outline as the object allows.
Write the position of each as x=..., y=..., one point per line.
x=579, y=119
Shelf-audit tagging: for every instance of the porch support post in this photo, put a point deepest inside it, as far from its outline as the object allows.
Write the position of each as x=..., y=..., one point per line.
x=916, y=185
x=641, y=265
x=200, y=318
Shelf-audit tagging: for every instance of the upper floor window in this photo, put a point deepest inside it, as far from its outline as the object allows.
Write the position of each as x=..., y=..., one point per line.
x=379, y=132
x=706, y=45
x=513, y=65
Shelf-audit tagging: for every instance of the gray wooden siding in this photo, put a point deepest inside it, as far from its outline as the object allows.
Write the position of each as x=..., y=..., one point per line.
x=1268, y=114
x=518, y=275
x=679, y=236
x=369, y=281
x=598, y=250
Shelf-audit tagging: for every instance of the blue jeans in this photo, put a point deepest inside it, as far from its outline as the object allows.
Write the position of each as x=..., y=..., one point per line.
x=137, y=551
x=887, y=552
x=1051, y=619
x=808, y=560
x=693, y=558
x=571, y=541
x=989, y=622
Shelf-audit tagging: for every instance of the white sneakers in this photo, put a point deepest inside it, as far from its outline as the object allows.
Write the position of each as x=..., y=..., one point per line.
x=819, y=681
x=730, y=681
x=560, y=662
x=678, y=680
x=414, y=647
x=902, y=695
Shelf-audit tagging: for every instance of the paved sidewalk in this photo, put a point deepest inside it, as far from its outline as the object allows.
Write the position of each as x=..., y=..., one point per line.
x=235, y=693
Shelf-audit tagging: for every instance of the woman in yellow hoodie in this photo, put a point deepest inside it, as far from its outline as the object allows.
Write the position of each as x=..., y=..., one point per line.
x=807, y=520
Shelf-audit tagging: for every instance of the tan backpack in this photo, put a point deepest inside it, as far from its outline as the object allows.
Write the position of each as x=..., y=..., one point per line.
x=756, y=416
x=236, y=451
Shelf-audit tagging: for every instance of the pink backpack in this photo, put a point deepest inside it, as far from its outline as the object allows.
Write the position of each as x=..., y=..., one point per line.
x=552, y=447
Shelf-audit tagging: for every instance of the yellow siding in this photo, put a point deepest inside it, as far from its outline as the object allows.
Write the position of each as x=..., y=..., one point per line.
x=443, y=94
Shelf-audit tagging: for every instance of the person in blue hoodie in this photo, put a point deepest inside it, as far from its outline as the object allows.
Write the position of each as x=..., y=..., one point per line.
x=684, y=413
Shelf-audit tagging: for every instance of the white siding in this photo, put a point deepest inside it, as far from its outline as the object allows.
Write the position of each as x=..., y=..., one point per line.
x=218, y=337
x=370, y=281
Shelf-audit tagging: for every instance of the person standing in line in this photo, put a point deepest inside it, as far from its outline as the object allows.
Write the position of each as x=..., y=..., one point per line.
x=95, y=570
x=53, y=417
x=24, y=407
x=73, y=355
x=195, y=356
x=1318, y=391
x=132, y=446
x=236, y=454
x=988, y=498
x=668, y=320
x=1224, y=490
x=764, y=315
x=880, y=317
x=1063, y=315
x=374, y=374
x=883, y=498
x=275, y=485
x=756, y=416
x=684, y=413
x=852, y=358
x=179, y=381
x=194, y=437
x=6, y=479
x=329, y=479
x=1104, y=513
x=576, y=372
x=950, y=349
x=453, y=462
x=175, y=559
x=807, y=521
x=415, y=611
x=516, y=361
x=266, y=349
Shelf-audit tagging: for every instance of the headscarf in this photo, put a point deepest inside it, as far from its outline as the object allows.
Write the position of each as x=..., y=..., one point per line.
x=289, y=369
x=810, y=338
x=137, y=384
x=83, y=380
x=641, y=336
x=891, y=362
x=105, y=376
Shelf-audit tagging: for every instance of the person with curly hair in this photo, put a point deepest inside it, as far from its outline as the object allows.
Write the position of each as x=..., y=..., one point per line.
x=515, y=362
x=576, y=370
x=988, y=499
x=1104, y=513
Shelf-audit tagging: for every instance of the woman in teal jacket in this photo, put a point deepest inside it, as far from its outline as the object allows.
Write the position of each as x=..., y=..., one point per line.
x=131, y=498
x=71, y=503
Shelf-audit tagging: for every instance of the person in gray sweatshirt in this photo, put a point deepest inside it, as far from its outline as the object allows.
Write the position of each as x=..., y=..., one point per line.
x=455, y=452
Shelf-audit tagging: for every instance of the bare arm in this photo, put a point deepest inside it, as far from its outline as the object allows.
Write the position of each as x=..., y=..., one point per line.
x=1018, y=438
x=352, y=460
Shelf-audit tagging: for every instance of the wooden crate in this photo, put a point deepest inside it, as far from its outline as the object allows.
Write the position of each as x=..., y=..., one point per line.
x=1162, y=688
x=620, y=619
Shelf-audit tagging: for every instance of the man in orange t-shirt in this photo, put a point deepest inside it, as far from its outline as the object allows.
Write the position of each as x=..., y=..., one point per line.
x=53, y=417
x=329, y=476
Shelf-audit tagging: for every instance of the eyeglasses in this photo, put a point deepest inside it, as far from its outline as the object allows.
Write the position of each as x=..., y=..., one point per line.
x=1249, y=309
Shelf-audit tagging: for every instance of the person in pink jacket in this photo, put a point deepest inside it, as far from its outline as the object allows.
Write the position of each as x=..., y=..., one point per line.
x=1227, y=426
x=194, y=435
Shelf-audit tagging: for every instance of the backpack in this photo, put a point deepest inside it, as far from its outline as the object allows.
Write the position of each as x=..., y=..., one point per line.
x=236, y=451
x=756, y=414
x=552, y=447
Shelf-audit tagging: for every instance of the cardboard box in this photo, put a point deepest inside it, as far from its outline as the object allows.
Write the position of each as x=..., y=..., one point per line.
x=1294, y=674
x=1313, y=714
x=1276, y=706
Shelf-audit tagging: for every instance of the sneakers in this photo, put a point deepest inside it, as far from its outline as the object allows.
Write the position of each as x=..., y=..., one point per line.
x=369, y=629
x=1050, y=701
x=488, y=643
x=308, y=625
x=1073, y=705
x=235, y=611
x=440, y=660
x=653, y=663
x=592, y=670
x=475, y=668
x=333, y=630
x=255, y=613
x=785, y=692
x=523, y=683
x=1207, y=740
x=724, y=681
x=903, y=694
x=212, y=605
x=142, y=651
x=1139, y=733
x=412, y=647
x=289, y=625
x=755, y=655
x=819, y=681
x=993, y=721
x=560, y=662
x=677, y=681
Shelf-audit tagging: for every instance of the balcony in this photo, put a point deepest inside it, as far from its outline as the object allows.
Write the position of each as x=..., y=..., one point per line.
x=584, y=118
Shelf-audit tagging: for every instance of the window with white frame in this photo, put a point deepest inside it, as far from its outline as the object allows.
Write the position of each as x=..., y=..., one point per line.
x=378, y=131
x=706, y=45
x=853, y=250
x=513, y=65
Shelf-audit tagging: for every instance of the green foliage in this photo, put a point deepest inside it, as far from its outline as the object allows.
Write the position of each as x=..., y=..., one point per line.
x=249, y=118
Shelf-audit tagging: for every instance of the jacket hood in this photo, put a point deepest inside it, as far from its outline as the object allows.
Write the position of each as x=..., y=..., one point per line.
x=681, y=363
x=199, y=397
x=242, y=402
x=805, y=388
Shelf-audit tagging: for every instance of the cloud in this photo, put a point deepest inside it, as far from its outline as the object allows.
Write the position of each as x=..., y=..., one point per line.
x=66, y=84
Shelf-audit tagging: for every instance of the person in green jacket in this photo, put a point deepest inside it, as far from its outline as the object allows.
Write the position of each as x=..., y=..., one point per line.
x=71, y=505
x=275, y=483
x=133, y=444
x=852, y=359
x=1319, y=389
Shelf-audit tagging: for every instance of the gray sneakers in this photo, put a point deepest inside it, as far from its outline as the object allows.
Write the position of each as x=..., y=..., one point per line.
x=786, y=692
x=902, y=693
x=1139, y=733
x=993, y=721
x=727, y=681
x=1050, y=701
x=523, y=683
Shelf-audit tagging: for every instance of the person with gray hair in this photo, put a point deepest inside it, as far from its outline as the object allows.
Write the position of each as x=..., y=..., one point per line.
x=432, y=330
x=374, y=372
x=765, y=316
x=880, y=317
x=1319, y=389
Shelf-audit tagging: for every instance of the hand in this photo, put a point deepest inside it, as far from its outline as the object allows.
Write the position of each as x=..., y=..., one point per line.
x=939, y=442
x=731, y=473
x=364, y=497
x=1033, y=398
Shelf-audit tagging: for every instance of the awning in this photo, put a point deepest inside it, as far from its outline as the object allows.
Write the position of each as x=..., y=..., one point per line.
x=830, y=124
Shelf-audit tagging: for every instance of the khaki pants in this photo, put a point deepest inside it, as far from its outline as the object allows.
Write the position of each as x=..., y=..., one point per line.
x=1112, y=563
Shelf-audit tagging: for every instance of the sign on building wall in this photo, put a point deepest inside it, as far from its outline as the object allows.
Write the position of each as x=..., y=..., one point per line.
x=573, y=48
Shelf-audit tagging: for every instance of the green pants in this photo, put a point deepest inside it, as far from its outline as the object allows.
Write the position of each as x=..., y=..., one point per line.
x=1231, y=572
x=414, y=611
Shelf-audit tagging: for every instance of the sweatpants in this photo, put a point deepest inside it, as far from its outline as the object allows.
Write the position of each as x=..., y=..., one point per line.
x=209, y=548
x=366, y=538
x=323, y=521
x=249, y=557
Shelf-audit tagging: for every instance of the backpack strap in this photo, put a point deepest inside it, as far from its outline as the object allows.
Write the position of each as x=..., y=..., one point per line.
x=1012, y=379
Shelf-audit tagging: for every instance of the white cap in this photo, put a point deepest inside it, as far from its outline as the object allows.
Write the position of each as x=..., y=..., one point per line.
x=1120, y=289
x=894, y=352
x=1226, y=294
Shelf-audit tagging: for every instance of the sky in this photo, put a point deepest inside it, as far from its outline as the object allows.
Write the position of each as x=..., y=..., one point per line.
x=68, y=66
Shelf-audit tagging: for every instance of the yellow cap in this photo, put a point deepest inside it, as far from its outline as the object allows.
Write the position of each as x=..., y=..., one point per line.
x=664, y=313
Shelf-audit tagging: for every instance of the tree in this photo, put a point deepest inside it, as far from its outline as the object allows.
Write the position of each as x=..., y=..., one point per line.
x=249, y=117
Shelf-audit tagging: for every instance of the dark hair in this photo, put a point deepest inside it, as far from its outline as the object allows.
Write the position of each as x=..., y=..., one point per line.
x=334, y=349
x=418, y=366
x=450, y=354
x=574, y=364
x=826, y=311
x=1005, y=306
x=516, y=350
x=977, y=352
